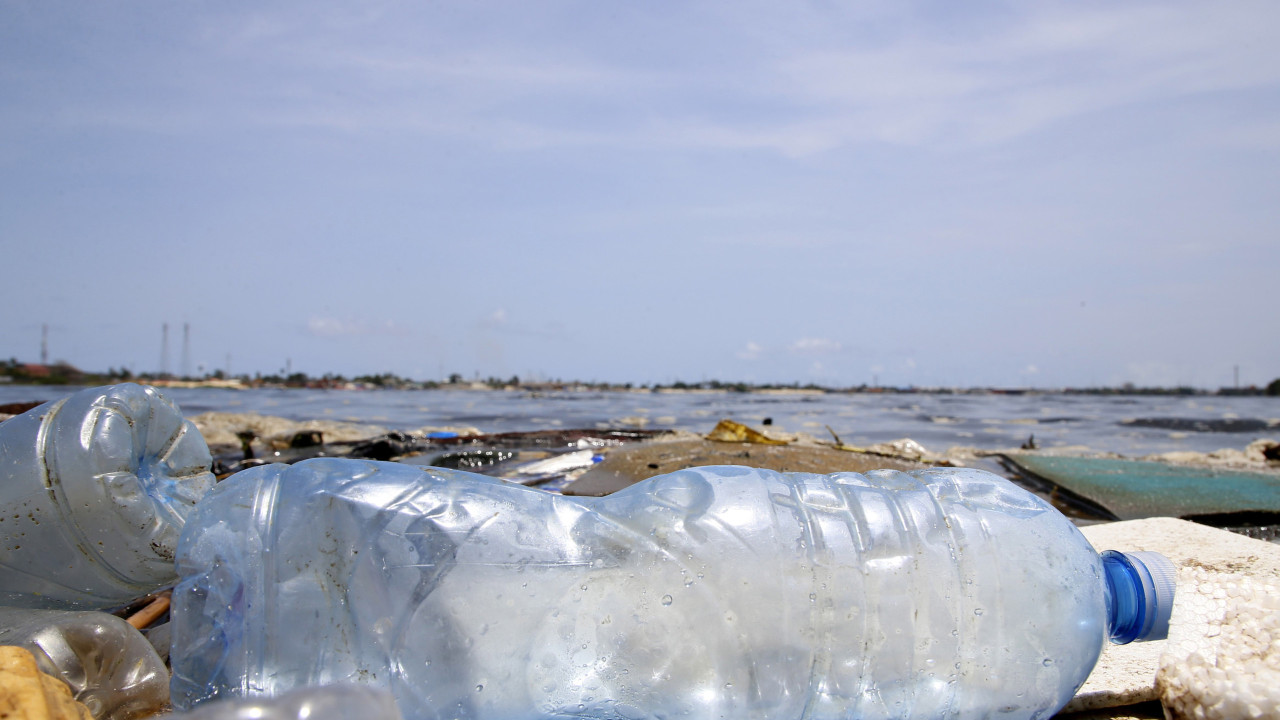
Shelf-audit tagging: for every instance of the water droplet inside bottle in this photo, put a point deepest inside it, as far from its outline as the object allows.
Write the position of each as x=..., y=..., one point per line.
x=1048, y=662
x=813, y=597
x=977, y=611
x=479, y=688
x=667, y=600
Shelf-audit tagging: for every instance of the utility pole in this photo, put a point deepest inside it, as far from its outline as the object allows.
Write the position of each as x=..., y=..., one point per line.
x=164, y=349
x=44, y=344
x=186, y=349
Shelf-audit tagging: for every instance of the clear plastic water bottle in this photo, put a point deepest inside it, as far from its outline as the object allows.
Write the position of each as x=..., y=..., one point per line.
x=94, y=490
x=108, y=665
x=707, y=593
x=332, y=702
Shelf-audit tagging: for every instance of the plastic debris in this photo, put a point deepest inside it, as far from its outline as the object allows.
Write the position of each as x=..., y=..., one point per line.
x=330, y=702
x=730, y=431
x=559, y=464
x=94, y=489
x=28, y=694
x=711, y=592
x=107, y=664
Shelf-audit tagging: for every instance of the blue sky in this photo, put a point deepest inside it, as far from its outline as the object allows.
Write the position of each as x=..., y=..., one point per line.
x=929, y=193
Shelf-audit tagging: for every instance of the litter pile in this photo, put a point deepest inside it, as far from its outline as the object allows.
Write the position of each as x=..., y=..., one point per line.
x=96, y=489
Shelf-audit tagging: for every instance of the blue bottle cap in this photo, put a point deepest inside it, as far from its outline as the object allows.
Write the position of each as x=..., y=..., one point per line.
x=1141, y=588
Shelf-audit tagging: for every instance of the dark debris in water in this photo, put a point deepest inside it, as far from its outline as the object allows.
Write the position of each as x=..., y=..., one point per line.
x=1204, y=425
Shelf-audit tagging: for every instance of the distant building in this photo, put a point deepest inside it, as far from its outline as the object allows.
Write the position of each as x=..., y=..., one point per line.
x=35, y=370
x=56, y=374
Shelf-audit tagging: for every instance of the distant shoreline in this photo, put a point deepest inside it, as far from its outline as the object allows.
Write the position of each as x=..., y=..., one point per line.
x=493, y=385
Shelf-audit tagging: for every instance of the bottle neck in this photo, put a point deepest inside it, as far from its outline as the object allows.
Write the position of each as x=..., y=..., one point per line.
x=1139, y=595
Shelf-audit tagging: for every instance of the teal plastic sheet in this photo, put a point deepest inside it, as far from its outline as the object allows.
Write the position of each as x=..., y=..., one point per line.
x=1132, y=489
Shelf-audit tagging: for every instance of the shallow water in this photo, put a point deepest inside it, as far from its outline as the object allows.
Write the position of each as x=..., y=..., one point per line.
x=987, y=421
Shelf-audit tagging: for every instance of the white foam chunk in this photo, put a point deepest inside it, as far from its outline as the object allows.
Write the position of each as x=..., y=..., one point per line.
x=1230, y=666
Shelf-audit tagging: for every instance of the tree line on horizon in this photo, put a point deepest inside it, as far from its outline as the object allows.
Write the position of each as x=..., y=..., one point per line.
x=61, y=373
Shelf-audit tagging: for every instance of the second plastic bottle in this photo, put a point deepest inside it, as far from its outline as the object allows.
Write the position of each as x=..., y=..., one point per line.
x=708, y=593
x=94, y=490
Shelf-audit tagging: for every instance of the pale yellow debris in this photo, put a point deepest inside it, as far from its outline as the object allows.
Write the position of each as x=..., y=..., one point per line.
x=28, y=694
x=730, y=431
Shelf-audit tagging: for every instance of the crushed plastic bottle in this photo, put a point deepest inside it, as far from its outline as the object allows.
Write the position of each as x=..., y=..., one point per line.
x=94, y=489
x=108, y=665
x=712, y=592
x=333, y=702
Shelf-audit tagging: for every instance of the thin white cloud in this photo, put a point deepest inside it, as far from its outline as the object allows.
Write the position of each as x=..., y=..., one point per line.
x=1154, y=373
x=499, y=323
x=750, y=352
x=1262, y=135
x=320, y=326
x=1053, y=63
x=1034, y=66
x=766, y=240
x=495, y=319
x=816, y=346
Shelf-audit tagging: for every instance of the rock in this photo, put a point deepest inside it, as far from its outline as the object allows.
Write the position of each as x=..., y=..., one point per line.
x=1263, y=450
x=904, y=448
x=220, y=428
x=388, y=446
x=297, y=439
